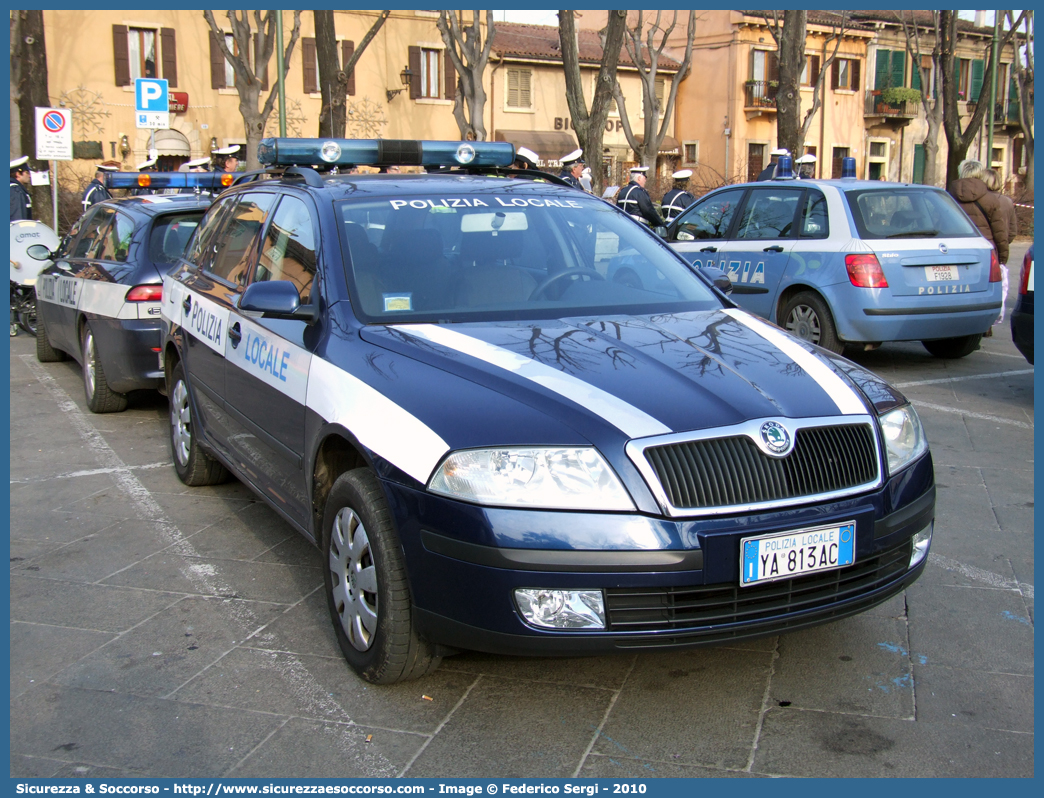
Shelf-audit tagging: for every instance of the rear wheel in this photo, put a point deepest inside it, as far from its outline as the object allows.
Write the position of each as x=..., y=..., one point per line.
x=193, y=465
x=953, y=348
x=366, y=586
x=807, y=316
x=100, y=397
x=46, y=353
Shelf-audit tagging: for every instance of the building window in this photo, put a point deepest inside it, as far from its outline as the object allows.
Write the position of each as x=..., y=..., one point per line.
x=891, y=69
x=691, y=153
x=845, y=75
x=520, y=88
x=810, y=72
x=969, y=79
x=877, y=160
x=230, y=73
x=141, y=49
x=915, y=73
x=755, y=160
x=839, y=154
x=429, y=73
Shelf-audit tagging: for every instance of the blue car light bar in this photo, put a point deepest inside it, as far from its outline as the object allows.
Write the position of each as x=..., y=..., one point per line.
x=384, y=152
x=161, y=180
x=848, y=168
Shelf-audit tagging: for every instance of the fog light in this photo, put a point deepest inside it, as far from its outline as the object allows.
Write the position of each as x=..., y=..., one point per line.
x=561, y=609
x=921, y=541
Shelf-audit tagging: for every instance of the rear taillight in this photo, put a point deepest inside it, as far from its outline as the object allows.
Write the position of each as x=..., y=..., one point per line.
x=145, y=293
x=1026, y=278
x=995, y=272
x=865, y=271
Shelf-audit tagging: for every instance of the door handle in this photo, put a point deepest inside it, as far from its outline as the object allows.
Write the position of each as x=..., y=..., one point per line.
x=773, y=248
x=709, y=249
x=235, y=335
x=186, y=303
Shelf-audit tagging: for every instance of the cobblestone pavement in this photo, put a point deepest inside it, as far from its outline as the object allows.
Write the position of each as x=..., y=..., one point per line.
x=158, y=630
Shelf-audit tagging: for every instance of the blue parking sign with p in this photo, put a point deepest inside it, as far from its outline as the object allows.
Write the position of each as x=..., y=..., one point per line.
x=150, y=94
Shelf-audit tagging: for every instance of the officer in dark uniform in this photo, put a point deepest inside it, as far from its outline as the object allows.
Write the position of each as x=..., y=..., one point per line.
x=148, y=167
x=96, y=191
x=769, y=171
x=226, y=159
x=21, y=202
x=198, y=165
x=572, y=168
x=677, y=199
x=634, y=200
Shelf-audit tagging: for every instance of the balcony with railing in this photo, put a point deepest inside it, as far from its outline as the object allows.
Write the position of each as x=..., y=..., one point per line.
x=1007, y=113
x=901, y=111
x=761, y=94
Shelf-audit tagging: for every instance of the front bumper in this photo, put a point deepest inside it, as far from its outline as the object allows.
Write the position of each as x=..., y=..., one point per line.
x=667, y=583
x=127, y=349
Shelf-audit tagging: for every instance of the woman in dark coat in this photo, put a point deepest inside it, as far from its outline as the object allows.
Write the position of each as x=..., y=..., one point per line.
x=983, y=206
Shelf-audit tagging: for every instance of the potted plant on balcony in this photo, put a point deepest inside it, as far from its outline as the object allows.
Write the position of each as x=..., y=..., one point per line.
x=893, y=98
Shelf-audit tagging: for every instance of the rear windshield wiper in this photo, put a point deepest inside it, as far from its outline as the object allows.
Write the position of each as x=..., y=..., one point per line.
x=915, y=234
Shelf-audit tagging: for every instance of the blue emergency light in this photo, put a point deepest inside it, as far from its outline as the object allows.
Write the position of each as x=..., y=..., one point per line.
x=848, y=171
x=384, y=152
x=785, y=168
x=161, y=180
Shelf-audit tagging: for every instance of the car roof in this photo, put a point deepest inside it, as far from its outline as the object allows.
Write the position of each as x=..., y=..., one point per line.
x=846, y=184
x=358, y=186
x=154, y=205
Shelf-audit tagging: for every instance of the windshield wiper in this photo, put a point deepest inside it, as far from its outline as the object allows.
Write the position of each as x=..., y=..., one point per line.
x=915, y=234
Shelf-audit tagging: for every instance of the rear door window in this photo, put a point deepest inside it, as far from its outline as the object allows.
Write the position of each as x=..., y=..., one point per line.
x=711, y=218
x=288, y=251
x=92, y=233
x=115, y=244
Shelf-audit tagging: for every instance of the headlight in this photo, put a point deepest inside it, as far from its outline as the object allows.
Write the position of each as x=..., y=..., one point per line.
x=565, y=479
x=903, y=436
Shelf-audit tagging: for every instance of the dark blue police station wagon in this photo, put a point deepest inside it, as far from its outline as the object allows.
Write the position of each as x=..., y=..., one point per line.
x=498, y=448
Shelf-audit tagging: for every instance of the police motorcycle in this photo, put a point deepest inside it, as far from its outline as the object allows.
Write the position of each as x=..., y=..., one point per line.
x=25, y=269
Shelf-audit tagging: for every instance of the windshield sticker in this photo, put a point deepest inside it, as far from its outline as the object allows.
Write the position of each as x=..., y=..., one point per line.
x=398, y=302
x=475, y=202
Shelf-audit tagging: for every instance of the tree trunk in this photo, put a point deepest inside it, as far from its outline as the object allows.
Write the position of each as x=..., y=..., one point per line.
x=333, y=82
x=469, y=54
x=791, y=45
x=32, y=94
x=590, y=127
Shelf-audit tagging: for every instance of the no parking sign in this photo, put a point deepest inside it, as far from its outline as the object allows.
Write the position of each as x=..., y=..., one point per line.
x=53, y=134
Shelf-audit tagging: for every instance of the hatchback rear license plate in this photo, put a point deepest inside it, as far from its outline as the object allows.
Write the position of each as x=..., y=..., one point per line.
x=941, y=274
x=804, y=551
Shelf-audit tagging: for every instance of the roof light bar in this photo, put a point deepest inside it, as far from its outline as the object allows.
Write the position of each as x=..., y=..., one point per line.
x=785, y=168
x=384, y=152
x=161, y=180
x=848, y=169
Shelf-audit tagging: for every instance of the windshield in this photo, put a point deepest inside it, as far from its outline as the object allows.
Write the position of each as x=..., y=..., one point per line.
x=908, y=213
x=498, y=254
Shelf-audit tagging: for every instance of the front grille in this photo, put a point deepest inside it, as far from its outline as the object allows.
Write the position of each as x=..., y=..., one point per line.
x=710, y=608
x=733, y=471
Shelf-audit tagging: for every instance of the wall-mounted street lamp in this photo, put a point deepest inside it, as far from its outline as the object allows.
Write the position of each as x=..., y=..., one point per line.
x=125, y=147
x=405, y=76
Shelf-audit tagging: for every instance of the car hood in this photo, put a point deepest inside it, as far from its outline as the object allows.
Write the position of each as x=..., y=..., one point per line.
x=629, y=377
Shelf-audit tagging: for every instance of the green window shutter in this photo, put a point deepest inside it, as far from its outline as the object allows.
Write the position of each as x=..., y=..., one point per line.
x=883, y=69
x=978, y=65
x=898, y=68
x=915, y=75
x=1013, y=99
x=918, y=168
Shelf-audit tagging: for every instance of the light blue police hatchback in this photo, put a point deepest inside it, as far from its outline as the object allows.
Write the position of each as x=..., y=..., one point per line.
x=849, y=262
x=460, y=386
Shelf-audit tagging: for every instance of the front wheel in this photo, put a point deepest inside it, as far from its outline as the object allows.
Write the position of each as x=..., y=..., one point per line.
x=807, y=316
x=193, y=465
x=100, y=397
x=46, y=353
x=953, y=348
x=366, y=587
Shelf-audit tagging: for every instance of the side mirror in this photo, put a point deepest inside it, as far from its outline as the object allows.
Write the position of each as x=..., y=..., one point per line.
x=39, y=252
x=276, y=299
x=661, y=232
x=720, y=278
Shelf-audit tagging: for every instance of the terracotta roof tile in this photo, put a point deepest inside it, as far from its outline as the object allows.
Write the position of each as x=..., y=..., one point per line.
x=541, y=42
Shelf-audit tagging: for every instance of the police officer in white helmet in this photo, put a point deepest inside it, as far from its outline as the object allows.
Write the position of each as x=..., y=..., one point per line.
x=572, y=167
x=677, y=199
x=806, y=166
x=634, y=200
x=96, y=191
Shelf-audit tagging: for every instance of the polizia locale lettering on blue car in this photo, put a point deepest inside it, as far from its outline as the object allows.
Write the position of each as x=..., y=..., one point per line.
x=514, y=420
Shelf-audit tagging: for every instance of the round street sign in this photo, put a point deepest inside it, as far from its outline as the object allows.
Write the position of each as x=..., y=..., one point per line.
x=54, y=122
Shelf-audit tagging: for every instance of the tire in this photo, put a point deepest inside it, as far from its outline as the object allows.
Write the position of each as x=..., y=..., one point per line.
x=953, y=348
x=27, y=320
x=45, y=353
x=366, y=586
x=807, y=317
x=193, y=465
x=100, y=397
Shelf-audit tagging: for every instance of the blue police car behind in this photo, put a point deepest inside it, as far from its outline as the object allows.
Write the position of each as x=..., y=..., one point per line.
x=499, y=447
x=849, y=262
x=99, y=301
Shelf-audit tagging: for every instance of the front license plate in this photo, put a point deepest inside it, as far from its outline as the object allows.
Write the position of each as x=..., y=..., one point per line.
x=940, y=274
x=804, y=551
